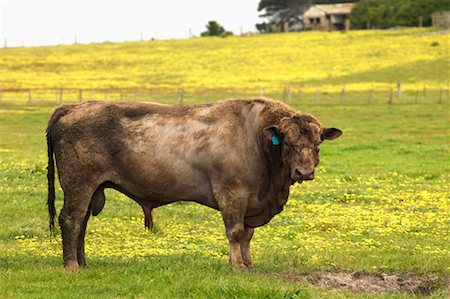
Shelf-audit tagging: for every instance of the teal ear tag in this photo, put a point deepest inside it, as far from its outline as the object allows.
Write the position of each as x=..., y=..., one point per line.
x=275, y=140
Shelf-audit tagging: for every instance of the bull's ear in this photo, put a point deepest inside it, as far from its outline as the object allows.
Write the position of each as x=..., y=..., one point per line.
x=330, y=134
x=273, y=134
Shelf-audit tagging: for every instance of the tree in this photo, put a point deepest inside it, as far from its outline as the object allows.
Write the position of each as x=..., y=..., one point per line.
x=215, y=29
x=390, y=13
x=280, y=13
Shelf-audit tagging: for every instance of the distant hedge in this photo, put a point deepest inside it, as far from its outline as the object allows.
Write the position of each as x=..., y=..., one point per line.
x=391, y=13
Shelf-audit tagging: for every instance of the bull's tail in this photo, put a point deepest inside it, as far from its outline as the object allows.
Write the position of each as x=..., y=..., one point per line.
x=59, y=112
x=51, y=182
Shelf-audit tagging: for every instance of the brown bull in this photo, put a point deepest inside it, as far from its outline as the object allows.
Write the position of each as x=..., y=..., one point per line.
x=239, y=157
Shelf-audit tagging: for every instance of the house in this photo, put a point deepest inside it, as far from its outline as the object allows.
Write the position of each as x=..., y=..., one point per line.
x=328, y=16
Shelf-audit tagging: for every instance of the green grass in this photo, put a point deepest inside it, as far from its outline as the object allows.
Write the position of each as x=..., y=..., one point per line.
x=380, y=204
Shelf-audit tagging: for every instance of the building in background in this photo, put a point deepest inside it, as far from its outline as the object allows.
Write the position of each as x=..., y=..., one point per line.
x=328, y=16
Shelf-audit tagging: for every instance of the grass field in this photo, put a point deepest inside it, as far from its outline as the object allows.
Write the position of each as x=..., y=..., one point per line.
x=373, y=224
x=380, y=204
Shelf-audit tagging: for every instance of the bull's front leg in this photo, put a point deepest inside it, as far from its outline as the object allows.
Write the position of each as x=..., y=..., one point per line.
x=234, y=230
x=233, y=205
x=245, y=246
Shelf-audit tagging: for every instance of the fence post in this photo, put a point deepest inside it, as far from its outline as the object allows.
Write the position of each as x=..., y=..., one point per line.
x=106, y=94
x=207, y=93
x=61, y=94
x=261, y=91
x=417, y=96
x=288, y=91
x=80, y=95
x=343, y=94
x=180, y=95
x=440, y=95
x=399, y=90
x=448, y=91
x=30, y=96
x=391, y=91
x=299, y=95
x=370, y=95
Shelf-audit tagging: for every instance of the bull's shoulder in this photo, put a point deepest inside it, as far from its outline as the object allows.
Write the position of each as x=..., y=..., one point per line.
x=243, y=107
x=270, y=107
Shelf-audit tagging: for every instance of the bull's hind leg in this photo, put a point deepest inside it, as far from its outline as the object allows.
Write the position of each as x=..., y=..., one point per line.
x=71, y=220
x=80, y=248
x=148, y=218
x=147, y=207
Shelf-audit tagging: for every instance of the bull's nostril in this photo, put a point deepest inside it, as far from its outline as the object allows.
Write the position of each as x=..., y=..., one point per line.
x=304, y=175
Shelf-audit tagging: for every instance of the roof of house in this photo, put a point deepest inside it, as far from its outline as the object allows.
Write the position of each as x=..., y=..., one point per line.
x=329, y=9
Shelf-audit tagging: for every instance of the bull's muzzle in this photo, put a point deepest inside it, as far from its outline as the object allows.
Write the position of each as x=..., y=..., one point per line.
x=304, y=175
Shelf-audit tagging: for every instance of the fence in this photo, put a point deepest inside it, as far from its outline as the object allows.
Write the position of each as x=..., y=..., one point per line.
x=288, y=93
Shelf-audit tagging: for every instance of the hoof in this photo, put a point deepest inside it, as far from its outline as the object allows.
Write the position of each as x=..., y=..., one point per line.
x=239, y=266
x=72, y=266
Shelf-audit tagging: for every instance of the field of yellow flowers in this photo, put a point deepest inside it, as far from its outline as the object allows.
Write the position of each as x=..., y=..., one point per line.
x=362, y=60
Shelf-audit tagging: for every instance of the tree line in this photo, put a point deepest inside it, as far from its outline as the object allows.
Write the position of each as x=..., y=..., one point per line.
x=390, y=13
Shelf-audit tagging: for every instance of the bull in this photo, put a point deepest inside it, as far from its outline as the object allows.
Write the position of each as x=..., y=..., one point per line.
x=237, y=156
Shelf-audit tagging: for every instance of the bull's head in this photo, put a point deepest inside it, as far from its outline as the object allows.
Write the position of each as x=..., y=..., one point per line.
x=300, y=137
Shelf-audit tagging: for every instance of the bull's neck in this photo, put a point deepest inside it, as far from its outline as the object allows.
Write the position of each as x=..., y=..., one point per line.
x=277, y=171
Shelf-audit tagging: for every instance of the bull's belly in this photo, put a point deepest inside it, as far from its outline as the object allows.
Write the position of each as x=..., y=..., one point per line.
x=163, y=186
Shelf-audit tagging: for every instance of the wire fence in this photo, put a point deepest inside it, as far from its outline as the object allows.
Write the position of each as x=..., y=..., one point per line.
x=287, y=93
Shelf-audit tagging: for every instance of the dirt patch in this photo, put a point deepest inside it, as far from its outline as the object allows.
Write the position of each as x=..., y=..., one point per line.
x=361, y=282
